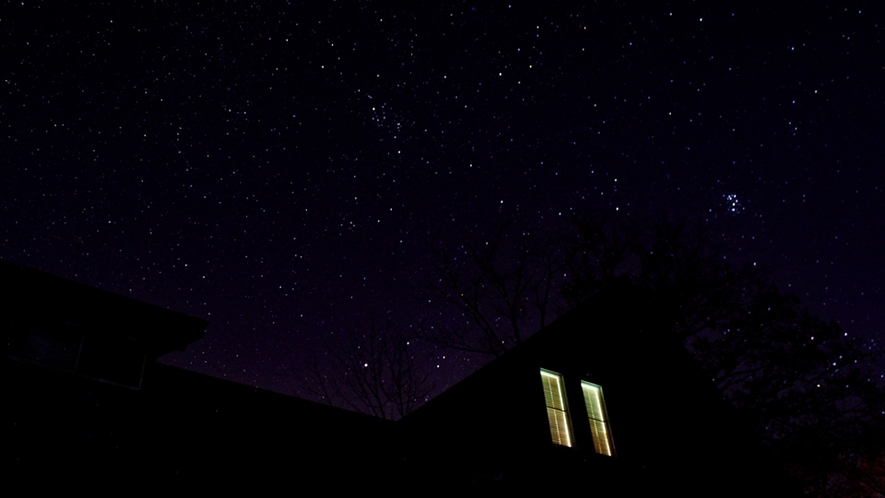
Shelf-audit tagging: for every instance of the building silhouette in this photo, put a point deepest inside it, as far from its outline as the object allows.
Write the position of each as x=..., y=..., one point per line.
x=600, y=401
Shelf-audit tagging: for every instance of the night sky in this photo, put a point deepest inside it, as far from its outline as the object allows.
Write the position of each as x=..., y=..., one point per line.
x=286, y=170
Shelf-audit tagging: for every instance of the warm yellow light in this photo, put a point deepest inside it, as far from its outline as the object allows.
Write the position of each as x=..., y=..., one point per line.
x=557, y=412
x=593, y=400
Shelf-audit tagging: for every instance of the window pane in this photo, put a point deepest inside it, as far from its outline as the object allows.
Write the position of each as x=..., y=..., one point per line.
x=558, y=427
x=593, y=400
x=557, y=415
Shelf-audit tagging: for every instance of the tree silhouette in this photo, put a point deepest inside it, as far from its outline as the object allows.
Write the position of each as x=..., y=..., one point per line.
x=377, y=371
x=801, y=381
x=505, y=288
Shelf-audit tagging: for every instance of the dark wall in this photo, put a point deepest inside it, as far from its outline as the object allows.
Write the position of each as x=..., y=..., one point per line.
x=182, y=428
x=670, y=426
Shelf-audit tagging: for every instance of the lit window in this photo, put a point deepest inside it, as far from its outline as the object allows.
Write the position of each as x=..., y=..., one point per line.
x=557, y=412
x=602, y=434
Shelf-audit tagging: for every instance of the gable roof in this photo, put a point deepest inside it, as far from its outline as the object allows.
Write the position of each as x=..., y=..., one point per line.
x=54, y=299
x=671, y=427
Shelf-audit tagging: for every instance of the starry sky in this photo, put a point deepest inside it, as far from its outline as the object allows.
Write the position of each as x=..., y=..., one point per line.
x=286, y=170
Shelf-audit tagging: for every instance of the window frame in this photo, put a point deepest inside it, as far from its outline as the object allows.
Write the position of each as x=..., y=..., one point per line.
x=597, y=417
x=558, y=419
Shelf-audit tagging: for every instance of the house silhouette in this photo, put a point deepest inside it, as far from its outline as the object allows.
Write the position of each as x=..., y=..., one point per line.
x=657, y=424
x=602, y=401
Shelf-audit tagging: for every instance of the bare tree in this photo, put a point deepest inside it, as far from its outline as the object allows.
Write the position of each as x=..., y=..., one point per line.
x=505, y=288
x=378, y=371
x=511, y=283
x=602, y=247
